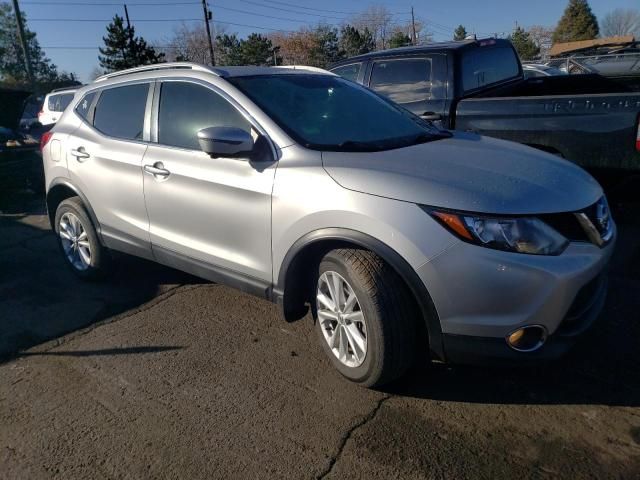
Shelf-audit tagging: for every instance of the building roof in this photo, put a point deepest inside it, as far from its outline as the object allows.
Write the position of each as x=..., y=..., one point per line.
x=571, y=47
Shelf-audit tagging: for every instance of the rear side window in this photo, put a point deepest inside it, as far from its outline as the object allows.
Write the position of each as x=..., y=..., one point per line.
x=57, y=103
x=84, y=106
x=186, y=108
x=120, y=111
x=350, y=72
x=403, y=81
x=484, y=66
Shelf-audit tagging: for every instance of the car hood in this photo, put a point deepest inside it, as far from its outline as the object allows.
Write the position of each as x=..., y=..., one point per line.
x=470, y=173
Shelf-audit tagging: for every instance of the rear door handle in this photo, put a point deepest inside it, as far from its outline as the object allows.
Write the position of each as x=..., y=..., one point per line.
x=157, y=170
x=80, y=154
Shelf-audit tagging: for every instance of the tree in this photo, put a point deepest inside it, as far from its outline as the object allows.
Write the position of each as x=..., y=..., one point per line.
x=256, y=50
x=542, y=37
x=399, y=39
x=620, y=22
x=355, y=42
x=12, y=65
x=228, y=50
x=326, y=49
x=377, y=19
x=577, y=23
x=190, y=43
x=460, y=33
x=124, y=50
x=524, y=45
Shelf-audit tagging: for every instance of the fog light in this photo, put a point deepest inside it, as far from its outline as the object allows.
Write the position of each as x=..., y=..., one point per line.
x=527, y=339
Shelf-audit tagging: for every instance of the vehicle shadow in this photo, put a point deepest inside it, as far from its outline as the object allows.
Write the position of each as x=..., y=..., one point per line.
x=42, y=299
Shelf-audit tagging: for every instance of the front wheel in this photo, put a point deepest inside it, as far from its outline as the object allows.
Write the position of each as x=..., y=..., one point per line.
x=365, y=317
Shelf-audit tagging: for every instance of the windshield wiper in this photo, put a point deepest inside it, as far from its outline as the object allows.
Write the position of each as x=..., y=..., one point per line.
x=355, y=146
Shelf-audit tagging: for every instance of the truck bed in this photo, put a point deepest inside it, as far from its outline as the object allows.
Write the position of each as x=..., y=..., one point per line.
x=592, y=120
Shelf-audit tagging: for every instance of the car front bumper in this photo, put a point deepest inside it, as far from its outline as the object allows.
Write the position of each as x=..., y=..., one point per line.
x=483, y=295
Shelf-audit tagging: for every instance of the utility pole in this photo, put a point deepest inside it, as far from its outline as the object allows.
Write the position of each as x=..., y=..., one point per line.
x=413, y=27
x=207, y=17
x=23, y=42
x=131, y=46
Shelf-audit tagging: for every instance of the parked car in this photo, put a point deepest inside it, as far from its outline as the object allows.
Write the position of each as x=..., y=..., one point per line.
x=307, y=189
x=54, y=104
x=479, y=86
x=533, y=70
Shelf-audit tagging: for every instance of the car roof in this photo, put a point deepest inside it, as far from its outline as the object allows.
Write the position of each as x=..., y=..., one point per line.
x=436, y=47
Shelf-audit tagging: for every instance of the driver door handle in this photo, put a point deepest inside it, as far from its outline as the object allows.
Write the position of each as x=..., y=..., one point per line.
x=157, y=170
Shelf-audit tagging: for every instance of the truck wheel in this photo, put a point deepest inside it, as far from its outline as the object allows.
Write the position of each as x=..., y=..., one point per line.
x=364, y=317
x=78, y=240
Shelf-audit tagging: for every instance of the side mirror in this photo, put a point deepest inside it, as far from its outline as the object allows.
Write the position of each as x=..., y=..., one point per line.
x=225, y=141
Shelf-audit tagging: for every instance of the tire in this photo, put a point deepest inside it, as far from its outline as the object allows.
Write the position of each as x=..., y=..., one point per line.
x=388, y=313
x=71, y=212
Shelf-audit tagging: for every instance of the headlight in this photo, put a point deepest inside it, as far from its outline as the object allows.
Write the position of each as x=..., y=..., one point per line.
x=513, y=234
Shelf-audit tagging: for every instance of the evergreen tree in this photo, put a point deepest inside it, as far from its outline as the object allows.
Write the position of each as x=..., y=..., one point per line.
x=326, y=48
x=12, y=65
x=460, y=33
x=577, y=23
x=354, y=42
x=399, y=39
x=524, y=45
x=228, y=50
x=256, y=50
x=124, y=50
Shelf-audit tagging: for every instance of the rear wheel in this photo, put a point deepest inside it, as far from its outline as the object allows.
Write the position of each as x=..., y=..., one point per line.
x=78, y=240
x=365, y=317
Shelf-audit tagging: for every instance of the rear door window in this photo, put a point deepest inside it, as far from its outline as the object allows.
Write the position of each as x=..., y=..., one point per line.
x=350, y=72
x=57, y=103
x=120, y=111
x=187, y=107
x=402, y=81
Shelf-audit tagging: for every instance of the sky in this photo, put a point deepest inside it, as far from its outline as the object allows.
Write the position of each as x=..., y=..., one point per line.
x=245, y=16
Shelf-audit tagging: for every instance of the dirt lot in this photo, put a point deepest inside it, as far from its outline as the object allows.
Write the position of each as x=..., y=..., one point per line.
x=156, y=374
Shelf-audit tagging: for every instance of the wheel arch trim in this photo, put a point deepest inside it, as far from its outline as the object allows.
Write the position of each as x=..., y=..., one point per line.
x=388, y=254
x=58, y=182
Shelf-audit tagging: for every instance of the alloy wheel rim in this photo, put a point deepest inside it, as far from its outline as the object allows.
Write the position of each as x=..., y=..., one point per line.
x=341, y=319
x=75, y=241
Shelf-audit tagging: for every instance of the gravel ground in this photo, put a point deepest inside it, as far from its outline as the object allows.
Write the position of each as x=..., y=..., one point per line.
x=157, y=374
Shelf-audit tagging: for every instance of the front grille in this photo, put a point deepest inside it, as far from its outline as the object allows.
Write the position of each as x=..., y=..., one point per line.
x=568, y=224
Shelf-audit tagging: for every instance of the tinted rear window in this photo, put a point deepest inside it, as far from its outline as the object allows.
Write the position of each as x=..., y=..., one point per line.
x=403, y=81
x=484, y=66
x=350, y=72
x=84, y=106
x=57, y=103
x=120, y=111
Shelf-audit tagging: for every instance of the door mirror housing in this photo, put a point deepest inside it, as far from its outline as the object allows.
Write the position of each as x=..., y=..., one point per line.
x=225, y=141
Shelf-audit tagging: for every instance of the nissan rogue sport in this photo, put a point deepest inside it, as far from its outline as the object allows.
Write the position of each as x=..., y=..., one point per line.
x=312, y=191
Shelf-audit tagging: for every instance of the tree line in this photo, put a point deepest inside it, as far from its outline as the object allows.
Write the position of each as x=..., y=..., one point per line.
x=319, y=45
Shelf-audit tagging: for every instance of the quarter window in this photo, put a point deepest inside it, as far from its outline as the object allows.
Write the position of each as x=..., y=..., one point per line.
x=120, y=111
x=84, y=106
x=57, y=103
x=403, y=81
x=350, y=72
x=186, y=108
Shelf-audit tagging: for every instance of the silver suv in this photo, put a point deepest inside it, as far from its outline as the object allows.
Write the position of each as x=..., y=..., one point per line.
x=311, y=191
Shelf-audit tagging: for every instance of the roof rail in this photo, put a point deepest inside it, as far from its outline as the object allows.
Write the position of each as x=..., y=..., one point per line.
x=71, y=87
x=306, y=68
x=159, y=66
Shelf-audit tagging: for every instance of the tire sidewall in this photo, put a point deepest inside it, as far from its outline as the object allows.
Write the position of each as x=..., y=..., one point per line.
x=375, y=345
x=95, y=268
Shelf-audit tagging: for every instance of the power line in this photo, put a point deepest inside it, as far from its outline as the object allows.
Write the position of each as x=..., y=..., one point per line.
x=261, y=14
x=301, y=7
x=112, y=4
x=289, y=10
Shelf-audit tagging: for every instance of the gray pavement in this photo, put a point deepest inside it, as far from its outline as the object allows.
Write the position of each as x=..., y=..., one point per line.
x=157, y=374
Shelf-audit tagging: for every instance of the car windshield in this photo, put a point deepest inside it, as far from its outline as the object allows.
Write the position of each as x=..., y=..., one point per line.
x=326, y=112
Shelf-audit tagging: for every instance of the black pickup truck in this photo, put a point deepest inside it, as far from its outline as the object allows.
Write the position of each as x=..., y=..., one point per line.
x=478, y=85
